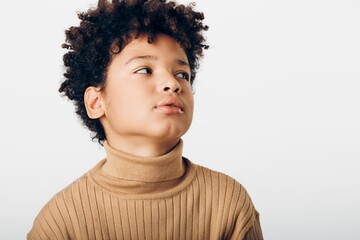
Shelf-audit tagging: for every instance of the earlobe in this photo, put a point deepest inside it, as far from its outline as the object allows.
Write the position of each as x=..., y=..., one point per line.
x=92, y=101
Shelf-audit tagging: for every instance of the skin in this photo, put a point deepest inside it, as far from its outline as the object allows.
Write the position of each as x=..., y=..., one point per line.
x=132, y=108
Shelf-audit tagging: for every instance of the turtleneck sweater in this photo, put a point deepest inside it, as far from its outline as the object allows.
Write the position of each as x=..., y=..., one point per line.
x=165, y=197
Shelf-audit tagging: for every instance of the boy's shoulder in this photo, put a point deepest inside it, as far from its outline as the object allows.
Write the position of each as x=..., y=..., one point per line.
x=56, y=214
x=227, y=196
x=222, y=187
x=217, y=178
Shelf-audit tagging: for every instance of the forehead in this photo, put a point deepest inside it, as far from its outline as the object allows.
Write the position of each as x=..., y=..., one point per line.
x=163, y=46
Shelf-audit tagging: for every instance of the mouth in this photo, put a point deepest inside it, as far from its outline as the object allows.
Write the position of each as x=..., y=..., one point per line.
x=170, y=105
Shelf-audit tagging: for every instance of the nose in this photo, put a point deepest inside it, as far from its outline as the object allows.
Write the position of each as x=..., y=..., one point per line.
x=170, y=84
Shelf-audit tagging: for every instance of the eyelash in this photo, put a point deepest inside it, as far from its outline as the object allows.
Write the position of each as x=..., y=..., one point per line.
x=149, y=71
x=185, y=75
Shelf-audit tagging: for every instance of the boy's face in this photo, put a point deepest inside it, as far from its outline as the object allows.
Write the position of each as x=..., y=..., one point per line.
x=148, y=95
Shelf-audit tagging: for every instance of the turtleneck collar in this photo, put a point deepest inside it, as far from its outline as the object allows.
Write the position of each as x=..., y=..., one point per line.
x=134, y=177
x=124, y=166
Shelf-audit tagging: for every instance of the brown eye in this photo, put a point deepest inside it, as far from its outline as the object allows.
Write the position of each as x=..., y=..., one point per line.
x=183, y=75
x=144, y=71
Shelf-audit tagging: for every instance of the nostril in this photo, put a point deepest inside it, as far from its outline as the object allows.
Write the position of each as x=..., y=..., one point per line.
x=175, y=90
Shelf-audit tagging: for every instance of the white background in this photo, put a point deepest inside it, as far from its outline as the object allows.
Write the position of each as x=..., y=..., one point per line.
x=277, y=108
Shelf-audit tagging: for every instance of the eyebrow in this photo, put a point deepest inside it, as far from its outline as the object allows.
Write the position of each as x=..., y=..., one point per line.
x=151, y=57
x=182, y=62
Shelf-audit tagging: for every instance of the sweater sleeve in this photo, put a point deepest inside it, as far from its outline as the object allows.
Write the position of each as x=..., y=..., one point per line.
x=251, y=230
x=255, y=232
x=50, y=223
x=246, y=219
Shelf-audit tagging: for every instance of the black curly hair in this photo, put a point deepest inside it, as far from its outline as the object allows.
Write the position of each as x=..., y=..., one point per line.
x=105, y=31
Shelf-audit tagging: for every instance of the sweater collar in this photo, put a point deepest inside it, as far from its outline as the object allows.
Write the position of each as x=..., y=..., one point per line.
x=145, y=169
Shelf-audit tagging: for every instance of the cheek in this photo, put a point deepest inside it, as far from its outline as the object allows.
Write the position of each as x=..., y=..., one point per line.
x=116, y=104
x=126, y=107
x=190, y=108
x=190, y=100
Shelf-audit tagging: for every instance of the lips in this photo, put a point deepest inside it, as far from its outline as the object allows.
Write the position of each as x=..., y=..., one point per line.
x=170, y=105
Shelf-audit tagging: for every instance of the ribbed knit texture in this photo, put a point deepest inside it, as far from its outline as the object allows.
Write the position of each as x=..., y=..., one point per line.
x=166, y=197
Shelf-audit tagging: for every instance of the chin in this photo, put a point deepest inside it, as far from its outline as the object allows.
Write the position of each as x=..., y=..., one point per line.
x=168, y=132
x=170, y=135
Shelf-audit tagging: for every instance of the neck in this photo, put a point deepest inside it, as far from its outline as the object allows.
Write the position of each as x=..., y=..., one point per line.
x=141, y=147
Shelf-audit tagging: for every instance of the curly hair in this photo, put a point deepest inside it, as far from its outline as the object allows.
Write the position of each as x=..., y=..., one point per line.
x=105, y=30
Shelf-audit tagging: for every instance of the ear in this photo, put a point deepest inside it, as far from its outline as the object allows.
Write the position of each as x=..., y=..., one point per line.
x=93, y=102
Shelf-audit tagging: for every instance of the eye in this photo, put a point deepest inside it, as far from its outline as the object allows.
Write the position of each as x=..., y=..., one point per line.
x=144, y=71
x=183, y=75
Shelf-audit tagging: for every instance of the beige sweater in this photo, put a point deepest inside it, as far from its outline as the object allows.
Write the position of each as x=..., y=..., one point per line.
x=166, y=197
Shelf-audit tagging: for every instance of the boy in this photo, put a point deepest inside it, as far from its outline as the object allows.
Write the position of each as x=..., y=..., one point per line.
x=129, y=70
